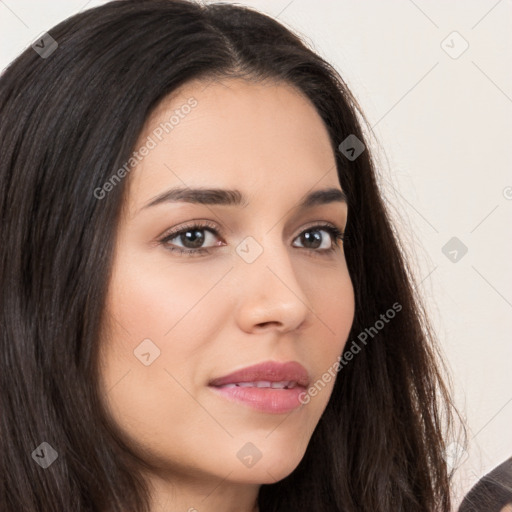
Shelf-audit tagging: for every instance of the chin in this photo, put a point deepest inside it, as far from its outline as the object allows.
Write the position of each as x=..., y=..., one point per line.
x=268, y=472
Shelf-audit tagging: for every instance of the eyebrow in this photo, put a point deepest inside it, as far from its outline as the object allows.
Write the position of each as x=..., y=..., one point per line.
x=233, y=197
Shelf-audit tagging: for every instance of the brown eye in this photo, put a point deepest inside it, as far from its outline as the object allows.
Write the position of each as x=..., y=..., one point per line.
x=313, y=239
x=191, y=239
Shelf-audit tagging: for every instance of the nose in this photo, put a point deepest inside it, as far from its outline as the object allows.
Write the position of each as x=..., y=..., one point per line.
x=271, y=295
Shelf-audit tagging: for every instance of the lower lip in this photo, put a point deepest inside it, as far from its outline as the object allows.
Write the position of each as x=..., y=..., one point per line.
x=270, y=400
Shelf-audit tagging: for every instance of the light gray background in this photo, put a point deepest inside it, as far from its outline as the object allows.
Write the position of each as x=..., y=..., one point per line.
x=443, y=130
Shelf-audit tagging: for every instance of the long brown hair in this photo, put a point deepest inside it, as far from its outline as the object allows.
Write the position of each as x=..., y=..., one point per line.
x=69, y=121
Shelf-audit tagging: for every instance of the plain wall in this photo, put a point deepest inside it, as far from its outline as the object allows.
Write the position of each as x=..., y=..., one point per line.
x=444, y=127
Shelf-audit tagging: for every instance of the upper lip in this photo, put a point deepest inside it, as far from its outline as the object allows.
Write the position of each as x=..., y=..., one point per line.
x=268, y=371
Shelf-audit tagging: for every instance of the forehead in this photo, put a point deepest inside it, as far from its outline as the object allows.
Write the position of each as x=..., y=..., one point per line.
x=256, y=137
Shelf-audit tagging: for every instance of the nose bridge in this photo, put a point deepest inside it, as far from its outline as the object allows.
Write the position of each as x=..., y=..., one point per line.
x=271, y=288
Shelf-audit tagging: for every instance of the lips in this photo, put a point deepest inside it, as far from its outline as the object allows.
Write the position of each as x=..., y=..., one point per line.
x=271, y=387
x=266, y=375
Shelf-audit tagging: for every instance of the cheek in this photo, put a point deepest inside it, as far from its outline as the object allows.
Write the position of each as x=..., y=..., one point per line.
x=340, y=305
x=334, y=309
x=147, y=302
x=156, y=297
x=155, y=307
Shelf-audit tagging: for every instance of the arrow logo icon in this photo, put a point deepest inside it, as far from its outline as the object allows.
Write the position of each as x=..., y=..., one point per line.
x=454, y=45
x=147, y=352
x=45, y=455
x=249, y=249
x=44, y=45
x=351, y=147
x=454, y=249
x=249, y=455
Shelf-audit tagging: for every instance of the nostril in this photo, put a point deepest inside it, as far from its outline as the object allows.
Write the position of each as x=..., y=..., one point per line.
x=265, y=324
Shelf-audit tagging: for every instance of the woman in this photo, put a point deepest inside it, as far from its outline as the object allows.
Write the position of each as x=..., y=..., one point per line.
x=204, y=303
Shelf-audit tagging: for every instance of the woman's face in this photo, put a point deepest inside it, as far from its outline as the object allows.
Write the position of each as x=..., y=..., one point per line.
x=262, y=285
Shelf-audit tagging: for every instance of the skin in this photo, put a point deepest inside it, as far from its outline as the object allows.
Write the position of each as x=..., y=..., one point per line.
x=215, y=313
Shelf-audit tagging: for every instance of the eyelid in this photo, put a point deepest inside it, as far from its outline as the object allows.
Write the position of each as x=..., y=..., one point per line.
x=316, y=223
x=203, y=224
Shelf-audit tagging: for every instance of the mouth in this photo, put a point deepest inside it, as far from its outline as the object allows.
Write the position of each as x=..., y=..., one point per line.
x=269, y=387
x=287, y=384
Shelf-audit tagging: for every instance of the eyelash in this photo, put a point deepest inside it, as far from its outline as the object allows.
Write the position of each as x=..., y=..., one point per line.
x=335, y=233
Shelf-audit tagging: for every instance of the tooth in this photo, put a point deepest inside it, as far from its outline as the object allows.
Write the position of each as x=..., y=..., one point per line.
x=284, y=384
x=279, y=385
x=229, y=386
